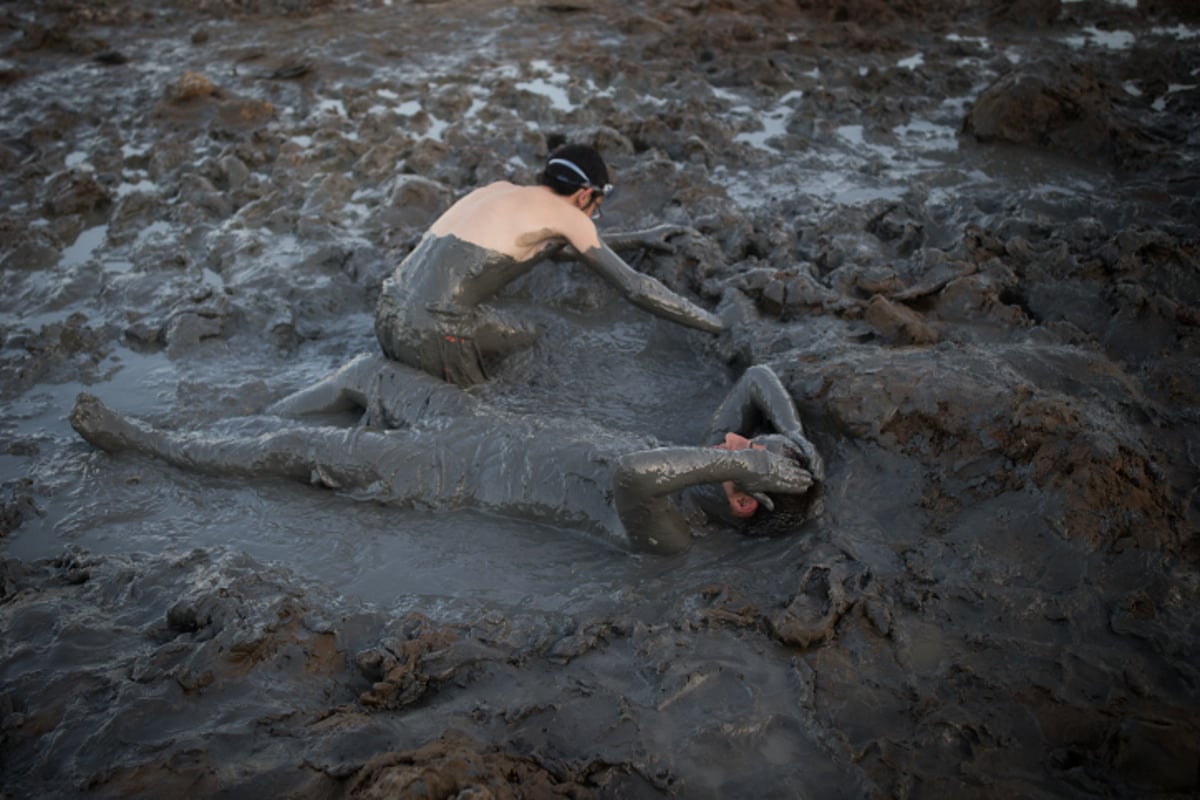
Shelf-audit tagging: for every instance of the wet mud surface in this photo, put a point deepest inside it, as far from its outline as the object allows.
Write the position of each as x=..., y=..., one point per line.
x=964, y=234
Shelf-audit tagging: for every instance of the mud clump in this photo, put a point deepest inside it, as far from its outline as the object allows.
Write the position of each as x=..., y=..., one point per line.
x=457, y=766
x=1070, y=110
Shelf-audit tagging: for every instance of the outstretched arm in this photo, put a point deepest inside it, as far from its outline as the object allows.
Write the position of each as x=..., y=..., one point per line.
x=577, y=228
x=647, y=293
x=645, y=480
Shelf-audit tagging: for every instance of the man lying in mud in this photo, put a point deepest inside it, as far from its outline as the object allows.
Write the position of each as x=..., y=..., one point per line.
x=427, y=444
x=431, y=313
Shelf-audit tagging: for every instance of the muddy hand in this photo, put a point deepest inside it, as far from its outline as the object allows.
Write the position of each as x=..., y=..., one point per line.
x=775, y=473
x=812, y=459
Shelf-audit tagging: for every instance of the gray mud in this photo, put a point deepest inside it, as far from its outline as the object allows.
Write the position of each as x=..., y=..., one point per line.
x=970, y=235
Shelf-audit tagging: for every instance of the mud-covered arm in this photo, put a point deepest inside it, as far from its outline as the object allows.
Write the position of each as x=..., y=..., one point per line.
x=756, y=401
x=647, y=293
x=656, y=238
x=645, y=480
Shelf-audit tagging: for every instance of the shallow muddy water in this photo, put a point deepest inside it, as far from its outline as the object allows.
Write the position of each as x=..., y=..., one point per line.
x=969, y=239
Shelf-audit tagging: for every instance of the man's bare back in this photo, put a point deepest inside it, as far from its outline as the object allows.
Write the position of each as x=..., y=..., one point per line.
x=432, y=311
x=519, y=221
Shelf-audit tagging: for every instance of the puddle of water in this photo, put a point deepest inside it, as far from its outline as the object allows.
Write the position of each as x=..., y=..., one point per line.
x=1160, y=103
x=773, y=121
x=77, y=161
x=1110, y=40
x=143, y=186
x=1182, y=32
x=556, y=94
x=332, y=106
x=925, y=136
x=84, y=246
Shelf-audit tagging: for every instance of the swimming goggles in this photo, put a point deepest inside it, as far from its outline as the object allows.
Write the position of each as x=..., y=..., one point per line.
x=604, y=190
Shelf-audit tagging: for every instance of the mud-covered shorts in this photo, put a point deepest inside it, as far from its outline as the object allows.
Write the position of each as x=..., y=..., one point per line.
x=446, y=351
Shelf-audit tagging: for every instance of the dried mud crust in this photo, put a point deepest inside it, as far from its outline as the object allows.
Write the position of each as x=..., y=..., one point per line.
x=457, y=766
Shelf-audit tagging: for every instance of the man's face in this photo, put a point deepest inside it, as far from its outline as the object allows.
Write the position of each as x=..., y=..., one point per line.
x=741, y=504
x=592, y=208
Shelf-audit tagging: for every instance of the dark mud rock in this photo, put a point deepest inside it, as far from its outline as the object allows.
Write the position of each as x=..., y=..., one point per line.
x=778, y=292
x=237, y=634
x=981, y=298
x=61, y=351
x=186, y=329
x=198, y=192
x=1183, y=10
x=587, y=636
x=407, y=666
x=30, y=251
x=874, y=13
x=1025, y=13
x=246, y=623
x=898, y=323
x=899, y=228
x=1064, y=108
x=14, y=512
x=194, y=100
x=76, y=193
x=457, y=766
x=426, y=157
x=190, y=86
x=416, y=201
x=984, y=430
x=1158, y=753
x=378, y=164
x=830, y=587
x=224, y=9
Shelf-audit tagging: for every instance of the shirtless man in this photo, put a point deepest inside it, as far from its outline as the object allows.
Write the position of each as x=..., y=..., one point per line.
x=439, y=447
x=431, y=313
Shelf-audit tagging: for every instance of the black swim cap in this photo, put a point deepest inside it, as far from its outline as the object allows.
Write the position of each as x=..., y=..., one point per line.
x=573, y=167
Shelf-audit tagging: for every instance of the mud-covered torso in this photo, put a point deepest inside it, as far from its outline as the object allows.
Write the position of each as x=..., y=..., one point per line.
x=446, y=278
x=519, y=466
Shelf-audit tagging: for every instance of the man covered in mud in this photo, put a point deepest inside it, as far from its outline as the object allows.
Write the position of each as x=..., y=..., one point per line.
x=431, y=313
x=427, y=444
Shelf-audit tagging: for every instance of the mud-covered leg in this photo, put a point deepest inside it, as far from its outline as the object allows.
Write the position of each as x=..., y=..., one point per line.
x=110, y=431
x=287, y=454
x=344, y=390
x=391, y=465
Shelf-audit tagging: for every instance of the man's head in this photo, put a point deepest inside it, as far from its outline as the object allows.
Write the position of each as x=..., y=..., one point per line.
x=735, y=505
x=576, y=169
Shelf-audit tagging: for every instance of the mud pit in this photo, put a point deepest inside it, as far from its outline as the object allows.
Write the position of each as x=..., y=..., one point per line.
x=968, y=233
